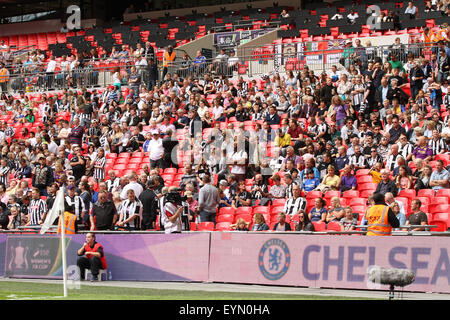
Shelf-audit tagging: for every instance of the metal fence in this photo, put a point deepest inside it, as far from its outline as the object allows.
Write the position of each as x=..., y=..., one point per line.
x=81, y=77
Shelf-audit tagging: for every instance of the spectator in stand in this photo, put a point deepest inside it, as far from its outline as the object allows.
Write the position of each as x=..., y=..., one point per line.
x=348, y=222
x=318, y=212
x=208, y=201
x=417, y=217
x=422, y=150
x=281, y=224
x=440, y=178
x=348, y=180
x=259, y=223
x=304, y=223
x=335, y=210
x=395, y=207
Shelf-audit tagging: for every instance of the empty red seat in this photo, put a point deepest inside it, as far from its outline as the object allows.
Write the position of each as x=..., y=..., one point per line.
x=205, y=226
x=261, y=209
x=426, y=193
x=333, y=226
x=356, y=202
x=330, y=194
x=443, y=193
x=278, y=202
x=276, y=210
x=319, y=226
x=225, y=218
x=407, y=193
x=440, y=208
x=441, y=226
x=244, y=210
x=350, y=194
x=442, y=216
x=314, y=194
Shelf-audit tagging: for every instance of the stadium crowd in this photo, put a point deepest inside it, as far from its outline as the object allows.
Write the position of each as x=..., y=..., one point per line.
x=241, y=143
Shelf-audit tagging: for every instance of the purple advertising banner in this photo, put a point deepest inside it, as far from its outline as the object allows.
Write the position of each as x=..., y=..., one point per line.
x=327, y=261
x=140, y=257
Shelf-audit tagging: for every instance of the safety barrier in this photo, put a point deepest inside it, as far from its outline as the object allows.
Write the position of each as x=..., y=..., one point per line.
x=265, y=258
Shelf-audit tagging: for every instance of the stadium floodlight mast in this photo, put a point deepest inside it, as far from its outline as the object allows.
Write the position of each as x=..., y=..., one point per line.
x=74, y=20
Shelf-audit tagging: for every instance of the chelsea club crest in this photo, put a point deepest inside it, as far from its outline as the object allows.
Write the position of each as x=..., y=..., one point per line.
x=274, y=259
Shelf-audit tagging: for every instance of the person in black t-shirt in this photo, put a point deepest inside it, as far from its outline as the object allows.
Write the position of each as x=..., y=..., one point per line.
x=243, y=198
x=78, y=163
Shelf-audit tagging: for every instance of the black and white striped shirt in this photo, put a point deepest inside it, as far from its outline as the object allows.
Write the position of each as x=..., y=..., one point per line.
x=358, y=161
x=391, y=162
x=436, y=145
x=4, y=178
x=99, y=168
x=131, y=208
x=405, y=150
x=78, y=205
x=293, y=206
x=289, y=190
x=372, y=161
x=112, y=184
x=36, y=210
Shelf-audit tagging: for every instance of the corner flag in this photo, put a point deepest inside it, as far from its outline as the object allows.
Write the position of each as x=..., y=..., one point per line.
x=55, y=211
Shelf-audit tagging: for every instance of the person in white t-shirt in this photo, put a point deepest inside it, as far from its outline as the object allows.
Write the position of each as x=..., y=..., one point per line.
x=156, y=150
x=51, y=67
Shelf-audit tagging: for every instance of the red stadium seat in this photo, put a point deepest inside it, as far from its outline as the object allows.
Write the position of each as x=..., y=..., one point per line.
x=330, y=194
x=356, y=202
x=442, y=226
x=362, y=172
x=193, y=226
x=407, y=193
x=350, y=194
x=276, y=210
x=278, y=202
x=261, y=209
x=429, y=193
x=438, y=200
x=244, y=210
x=319, y=226
x=443, y=193
x=442, y=216
x=333, y=226
x=223, y=226
x=314, y=194
x=246, y=217
x=225, y=218
x=205, y=226
x=226, y=210
x=440, y=208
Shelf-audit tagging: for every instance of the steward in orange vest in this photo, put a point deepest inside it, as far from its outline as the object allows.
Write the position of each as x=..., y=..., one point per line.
x=381, y=219
x=91, y=256
x=70, y=221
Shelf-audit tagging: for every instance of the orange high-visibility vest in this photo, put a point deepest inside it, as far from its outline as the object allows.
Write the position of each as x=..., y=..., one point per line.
x=69, y=223
x=377, y=218
x=168, y=58
x=3, y=75
x=428, y=39
x=438, y=35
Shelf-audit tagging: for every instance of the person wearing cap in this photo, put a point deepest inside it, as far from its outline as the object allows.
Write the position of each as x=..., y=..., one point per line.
x=193, y=205
x=75, y=205
x=42, y=176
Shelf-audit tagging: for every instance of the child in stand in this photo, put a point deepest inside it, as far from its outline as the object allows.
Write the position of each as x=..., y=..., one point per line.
x=310, y=183
x=240, y=225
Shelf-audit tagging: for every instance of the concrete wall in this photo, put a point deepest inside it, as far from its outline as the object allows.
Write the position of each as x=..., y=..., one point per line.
x=191, y=48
